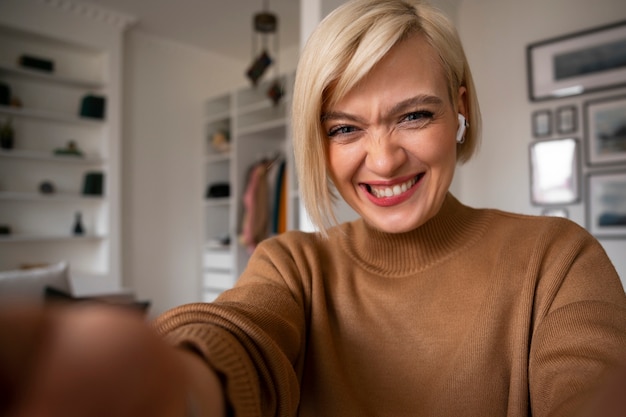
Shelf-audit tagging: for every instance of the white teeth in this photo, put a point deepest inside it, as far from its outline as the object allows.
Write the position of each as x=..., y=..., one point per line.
x=392, y=191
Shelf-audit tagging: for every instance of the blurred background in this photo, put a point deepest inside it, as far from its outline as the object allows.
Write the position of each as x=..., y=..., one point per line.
x=175, y=75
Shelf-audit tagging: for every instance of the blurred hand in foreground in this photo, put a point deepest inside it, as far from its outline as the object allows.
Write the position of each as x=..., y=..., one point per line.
x=89, y=360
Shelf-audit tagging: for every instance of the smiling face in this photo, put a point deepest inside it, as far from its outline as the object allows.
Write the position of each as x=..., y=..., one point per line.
x=392, y=147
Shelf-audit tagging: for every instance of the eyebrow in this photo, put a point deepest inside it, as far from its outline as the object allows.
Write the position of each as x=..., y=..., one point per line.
x=400, y=107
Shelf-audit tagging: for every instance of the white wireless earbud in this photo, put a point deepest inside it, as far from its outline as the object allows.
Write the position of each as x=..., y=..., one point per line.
x=460, y=134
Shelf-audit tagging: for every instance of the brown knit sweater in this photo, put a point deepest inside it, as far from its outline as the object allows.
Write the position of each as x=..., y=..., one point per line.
x=476, y=313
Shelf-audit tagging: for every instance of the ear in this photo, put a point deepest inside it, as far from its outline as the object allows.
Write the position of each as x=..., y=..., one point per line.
x=461, y=102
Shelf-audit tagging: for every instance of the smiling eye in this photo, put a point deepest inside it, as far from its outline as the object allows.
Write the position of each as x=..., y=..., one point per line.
x=341, y=130
x=417, y=116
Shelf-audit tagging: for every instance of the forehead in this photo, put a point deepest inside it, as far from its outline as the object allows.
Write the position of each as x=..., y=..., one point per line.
x=411, y=67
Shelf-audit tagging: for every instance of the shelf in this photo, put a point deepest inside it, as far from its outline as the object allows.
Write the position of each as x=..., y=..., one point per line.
x=216, y=246
x=218, y=108
x=48, y=157
x=218, y=202
x=218, y=117
x=218, y=157
x=256, y=127
x=50, y=78
x=49, y=115
x=37, y=197
x=263, y=127
x=46, y=238
x=46, y=116
x=254, y=107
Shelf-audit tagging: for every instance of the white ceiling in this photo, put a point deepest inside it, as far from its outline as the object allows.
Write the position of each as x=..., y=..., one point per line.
x=220, y=26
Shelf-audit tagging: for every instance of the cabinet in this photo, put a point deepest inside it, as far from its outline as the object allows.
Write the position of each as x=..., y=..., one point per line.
x=258, y=129
x=45, y=114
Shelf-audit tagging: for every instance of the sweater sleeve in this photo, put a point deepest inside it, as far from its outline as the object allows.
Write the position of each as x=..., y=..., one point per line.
x=579, y=335
x=252, y=335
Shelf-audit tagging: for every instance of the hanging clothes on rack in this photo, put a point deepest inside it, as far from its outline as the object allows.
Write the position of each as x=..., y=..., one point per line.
x=258, y=203
x=279, y=223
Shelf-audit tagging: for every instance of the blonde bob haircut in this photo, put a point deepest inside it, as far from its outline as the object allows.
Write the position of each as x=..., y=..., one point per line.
x=344, y=47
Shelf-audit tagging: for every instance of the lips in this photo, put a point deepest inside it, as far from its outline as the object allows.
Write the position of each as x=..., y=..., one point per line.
x=392, y=193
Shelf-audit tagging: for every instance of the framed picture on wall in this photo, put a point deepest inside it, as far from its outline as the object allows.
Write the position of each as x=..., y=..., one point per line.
x=566, y=120
x=554, y=172
x=605, y=121
x=606, y=206
x=542, y=123
x=577, y=63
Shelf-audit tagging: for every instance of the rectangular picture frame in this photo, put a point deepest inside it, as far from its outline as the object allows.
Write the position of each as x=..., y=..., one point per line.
x=605, y=131
x=606, y=205
x=554, y=172
x=566, y=120
x=577, y=63
x=542, y=123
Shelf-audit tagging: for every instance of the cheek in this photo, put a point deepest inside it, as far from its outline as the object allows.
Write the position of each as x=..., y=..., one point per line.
x=438, y=152
x=343, y=161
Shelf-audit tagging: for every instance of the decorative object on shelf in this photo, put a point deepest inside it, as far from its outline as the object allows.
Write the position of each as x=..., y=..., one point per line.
x=5, y=94
x=606, y=205
x=71, y=149
x=577, y=63
x=16, y=102
x=264, y=25
x=554, y=172
x=218, y=242
x=7, y=134
x=276, y=92
x=47, y=187
x=5, y=230
x=605, y=121
x=78, y=224
x=220, y=141
x=36, y=63
x=93, y=106
x=542, y=123
x=93, y=183
x=218, y=190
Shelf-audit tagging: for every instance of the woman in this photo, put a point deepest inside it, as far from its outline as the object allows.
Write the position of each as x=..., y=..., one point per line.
x=424, y=306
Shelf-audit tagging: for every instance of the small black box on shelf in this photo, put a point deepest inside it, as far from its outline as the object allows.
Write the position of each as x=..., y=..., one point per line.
x=218, y=190
x=5, y=94
x=93, y=106
x=94, y=183
x=36, y=63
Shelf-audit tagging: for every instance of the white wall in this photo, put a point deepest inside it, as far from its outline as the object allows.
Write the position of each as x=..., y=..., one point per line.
x=166, y=85
x=495, y=34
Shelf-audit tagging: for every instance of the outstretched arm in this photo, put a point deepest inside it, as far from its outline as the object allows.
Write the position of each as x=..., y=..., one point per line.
x=98, y=361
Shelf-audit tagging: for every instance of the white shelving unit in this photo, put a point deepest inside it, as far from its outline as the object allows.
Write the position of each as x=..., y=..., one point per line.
x=46, y=118
x=258, y=129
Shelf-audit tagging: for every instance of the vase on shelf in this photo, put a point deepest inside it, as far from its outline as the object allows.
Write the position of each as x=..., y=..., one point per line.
x=78, y=225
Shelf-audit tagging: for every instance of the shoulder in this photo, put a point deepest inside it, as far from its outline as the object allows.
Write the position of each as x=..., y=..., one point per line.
x=291, y=247
x=557, y=228
x=308, y=250
x=292, y=240
x=552, y=239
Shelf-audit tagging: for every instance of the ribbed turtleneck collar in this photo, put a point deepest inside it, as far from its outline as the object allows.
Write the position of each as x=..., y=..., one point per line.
x=401, y=254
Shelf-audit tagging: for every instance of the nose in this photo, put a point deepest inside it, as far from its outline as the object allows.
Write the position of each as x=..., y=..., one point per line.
x=384, y=155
